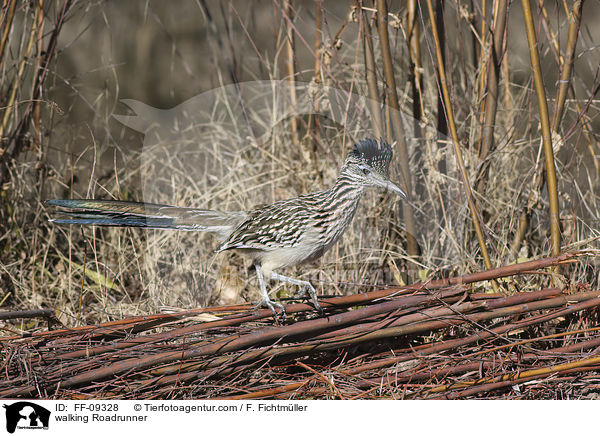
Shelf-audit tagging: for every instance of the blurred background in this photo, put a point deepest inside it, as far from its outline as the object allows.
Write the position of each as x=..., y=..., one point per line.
x=67, y=66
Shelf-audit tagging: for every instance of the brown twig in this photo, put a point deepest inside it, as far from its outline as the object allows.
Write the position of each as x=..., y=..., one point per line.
x=162, y=361
x=349, y=300
x=33, y=313
x=520, y=376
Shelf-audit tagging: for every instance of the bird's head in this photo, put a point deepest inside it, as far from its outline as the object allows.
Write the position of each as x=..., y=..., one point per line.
x=368, y=164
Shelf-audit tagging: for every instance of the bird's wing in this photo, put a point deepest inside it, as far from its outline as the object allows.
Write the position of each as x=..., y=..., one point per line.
x=278, y=225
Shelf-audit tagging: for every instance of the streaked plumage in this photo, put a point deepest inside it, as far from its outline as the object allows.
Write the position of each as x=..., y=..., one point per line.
x=279, y=235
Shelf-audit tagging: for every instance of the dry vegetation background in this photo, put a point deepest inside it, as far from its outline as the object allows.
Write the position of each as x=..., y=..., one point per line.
x=66, y=66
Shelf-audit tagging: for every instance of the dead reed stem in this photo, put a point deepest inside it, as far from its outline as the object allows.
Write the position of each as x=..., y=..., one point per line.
x=416, y=74
x=290, y=62
x=397, y=124
x=8, y=18
x=458, y=153
x=491, y=100
x=545, y=123
x=371, y=73
x=567, y=66
x=10, y=104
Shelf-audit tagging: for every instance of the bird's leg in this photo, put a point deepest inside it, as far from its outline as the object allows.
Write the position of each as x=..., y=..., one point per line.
x=306, y=286
x=266, y=301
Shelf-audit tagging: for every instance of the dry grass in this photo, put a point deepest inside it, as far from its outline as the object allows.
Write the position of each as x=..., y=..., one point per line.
x=230, y=157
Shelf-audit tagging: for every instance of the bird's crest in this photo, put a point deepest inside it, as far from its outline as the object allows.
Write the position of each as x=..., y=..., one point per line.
x=377, y=155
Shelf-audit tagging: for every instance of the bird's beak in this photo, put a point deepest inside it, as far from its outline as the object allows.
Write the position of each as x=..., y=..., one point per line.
x=394, y=188
x=383, y=182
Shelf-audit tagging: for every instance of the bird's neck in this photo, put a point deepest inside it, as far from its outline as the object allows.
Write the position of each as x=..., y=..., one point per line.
x=341, y=202
x=346, y=189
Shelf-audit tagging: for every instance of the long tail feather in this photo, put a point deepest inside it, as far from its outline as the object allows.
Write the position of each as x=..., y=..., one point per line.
x=148, y=215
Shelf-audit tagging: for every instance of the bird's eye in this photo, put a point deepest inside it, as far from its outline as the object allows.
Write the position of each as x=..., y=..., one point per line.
x=366, y=171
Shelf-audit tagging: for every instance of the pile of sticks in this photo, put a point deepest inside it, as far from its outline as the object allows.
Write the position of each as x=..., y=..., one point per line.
x=437, y=339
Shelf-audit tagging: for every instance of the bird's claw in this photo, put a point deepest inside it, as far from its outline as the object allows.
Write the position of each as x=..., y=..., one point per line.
x=269, y=304
x=313, y=297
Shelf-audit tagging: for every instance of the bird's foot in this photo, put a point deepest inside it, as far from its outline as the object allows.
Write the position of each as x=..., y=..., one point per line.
x=310, y=289
x=270, y=304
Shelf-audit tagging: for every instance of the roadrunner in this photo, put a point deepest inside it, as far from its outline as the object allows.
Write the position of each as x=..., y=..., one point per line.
x=279, y=235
